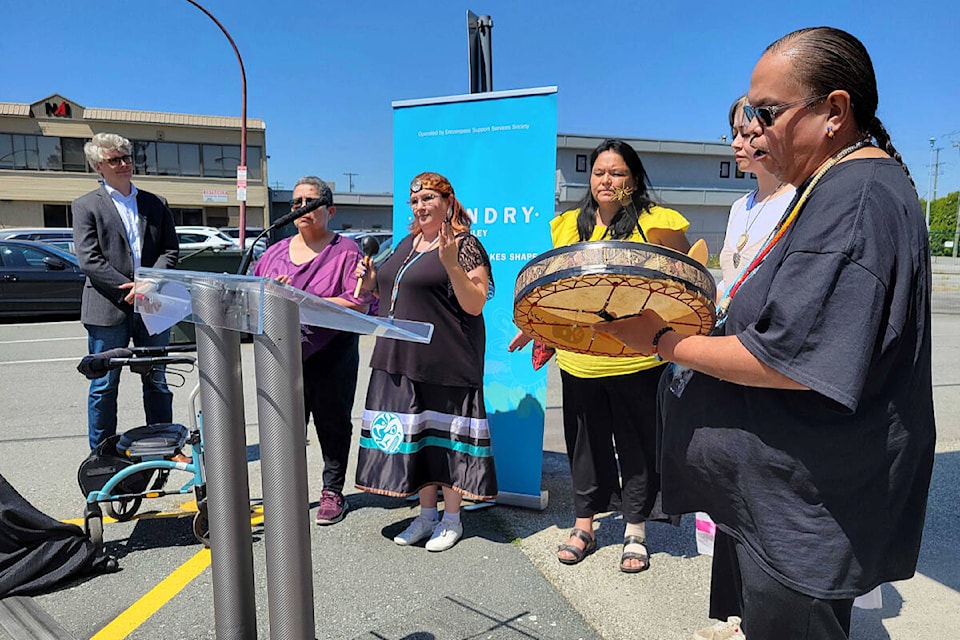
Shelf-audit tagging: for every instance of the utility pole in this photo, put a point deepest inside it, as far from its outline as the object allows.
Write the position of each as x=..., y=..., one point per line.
x=936, y=172
x=350, y=178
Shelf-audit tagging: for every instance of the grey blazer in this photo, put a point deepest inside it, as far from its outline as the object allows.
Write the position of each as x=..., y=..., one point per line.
x=104, y=251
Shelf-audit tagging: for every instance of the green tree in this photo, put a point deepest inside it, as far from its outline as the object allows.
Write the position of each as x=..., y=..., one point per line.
x=943, y=223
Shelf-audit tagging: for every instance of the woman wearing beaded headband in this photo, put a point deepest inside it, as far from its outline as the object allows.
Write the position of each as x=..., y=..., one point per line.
x=425, y=426
x=805, y=425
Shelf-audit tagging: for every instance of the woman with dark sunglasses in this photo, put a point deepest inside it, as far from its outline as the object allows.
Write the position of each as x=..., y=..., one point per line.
x=322, y=262
x=804, y=425
x=609, y=404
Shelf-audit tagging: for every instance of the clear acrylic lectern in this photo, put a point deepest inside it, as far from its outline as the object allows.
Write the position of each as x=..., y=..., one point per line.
x=223, y=307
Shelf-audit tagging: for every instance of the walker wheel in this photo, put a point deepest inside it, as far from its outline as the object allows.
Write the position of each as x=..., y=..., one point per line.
x=93, y=525
x=201, y=523
x=124, y=509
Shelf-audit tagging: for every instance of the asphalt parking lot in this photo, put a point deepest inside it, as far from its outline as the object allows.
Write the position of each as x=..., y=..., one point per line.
x=501, y=581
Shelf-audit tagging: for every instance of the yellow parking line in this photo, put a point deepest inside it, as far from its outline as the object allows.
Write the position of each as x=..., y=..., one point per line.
x=124, y=624
x=138, y=613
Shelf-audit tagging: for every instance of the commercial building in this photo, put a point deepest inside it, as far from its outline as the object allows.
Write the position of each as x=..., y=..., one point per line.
x=191, y=160
x=699, y=179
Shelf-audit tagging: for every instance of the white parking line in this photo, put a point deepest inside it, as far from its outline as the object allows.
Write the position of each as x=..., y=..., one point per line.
x=41, y=340
x=73, y=359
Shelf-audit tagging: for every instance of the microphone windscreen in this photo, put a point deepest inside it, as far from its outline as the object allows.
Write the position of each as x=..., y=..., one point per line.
x=96, y=365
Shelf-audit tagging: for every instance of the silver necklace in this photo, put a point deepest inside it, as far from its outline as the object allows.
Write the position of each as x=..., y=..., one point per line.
x=744, y=237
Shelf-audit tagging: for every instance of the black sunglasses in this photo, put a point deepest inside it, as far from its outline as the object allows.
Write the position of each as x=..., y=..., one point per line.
x=766, y=115
x=296, y=203
x=115, y=162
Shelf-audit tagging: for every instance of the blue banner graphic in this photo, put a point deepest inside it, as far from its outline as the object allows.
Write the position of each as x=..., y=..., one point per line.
x=499, y=150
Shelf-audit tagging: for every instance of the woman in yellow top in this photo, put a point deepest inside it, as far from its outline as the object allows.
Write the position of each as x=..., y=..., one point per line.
x=609, y=404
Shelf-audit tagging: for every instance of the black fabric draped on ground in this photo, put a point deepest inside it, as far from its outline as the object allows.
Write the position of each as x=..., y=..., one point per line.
x=38, y=553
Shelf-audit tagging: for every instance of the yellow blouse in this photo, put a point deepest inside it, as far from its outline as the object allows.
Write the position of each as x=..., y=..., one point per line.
x=563, y=230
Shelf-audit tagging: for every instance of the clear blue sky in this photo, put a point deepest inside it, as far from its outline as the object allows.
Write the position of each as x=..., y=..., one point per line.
x=323, y=74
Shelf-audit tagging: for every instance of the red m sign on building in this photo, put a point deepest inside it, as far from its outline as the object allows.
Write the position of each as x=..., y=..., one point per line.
x=61, y=110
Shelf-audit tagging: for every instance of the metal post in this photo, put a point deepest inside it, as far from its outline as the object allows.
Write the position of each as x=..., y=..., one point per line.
x=480, y=52
x=283, y=461
x=225, y=464
x=930, y=184
x=243, y=122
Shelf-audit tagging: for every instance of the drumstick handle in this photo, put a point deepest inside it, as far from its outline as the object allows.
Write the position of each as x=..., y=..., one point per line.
x=356, y=291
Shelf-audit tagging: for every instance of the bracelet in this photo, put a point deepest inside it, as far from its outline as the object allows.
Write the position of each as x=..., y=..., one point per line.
x=656, y=339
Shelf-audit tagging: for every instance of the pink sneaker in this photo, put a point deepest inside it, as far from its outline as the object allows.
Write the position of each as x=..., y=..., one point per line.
x=332, y=508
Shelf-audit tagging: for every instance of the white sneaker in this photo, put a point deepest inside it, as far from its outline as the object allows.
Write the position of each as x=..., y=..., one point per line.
x=445, y=536
x=729, y=630
x=419, y=529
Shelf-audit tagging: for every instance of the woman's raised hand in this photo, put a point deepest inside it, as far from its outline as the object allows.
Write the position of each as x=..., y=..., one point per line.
x=447, y=248
x=366, y=275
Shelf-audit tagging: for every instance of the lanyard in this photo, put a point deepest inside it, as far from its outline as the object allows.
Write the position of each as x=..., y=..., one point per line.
x=407, y=263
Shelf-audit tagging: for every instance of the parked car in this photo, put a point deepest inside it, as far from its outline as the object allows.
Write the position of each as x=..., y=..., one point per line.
x=385, y=238
x=42, y=234
x=197, y=238
x=250, y=236
x=38, y=279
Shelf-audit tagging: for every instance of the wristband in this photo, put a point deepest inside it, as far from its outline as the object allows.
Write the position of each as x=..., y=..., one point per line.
x=656, y=339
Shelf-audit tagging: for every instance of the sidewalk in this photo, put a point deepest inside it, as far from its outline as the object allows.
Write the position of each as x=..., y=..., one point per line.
x=502, y=581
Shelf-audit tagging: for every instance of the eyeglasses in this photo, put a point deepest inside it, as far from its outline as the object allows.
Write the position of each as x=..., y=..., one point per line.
x=115, y=162
x=296, y=203
x=425, y=199
x=766, y=115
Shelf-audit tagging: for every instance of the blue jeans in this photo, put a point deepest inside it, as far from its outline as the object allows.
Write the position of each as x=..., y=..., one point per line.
x=102, y=402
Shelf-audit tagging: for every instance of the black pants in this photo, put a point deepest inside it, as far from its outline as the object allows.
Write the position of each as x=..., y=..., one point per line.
x=329, y=385
x=607, y=421
x=768, y=609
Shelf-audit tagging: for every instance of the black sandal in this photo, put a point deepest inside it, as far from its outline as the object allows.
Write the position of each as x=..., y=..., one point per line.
x=633, y=555
x=590, y=545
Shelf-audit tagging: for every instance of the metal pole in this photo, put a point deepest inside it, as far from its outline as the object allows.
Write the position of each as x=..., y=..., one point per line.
x=929, y=184
x=243, y=119
x=283, y=463
x=225, y=464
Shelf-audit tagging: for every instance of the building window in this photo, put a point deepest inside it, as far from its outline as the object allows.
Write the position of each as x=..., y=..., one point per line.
x=581, y=163
x=49, y=154
x=753, y=176
x=725, y=169
x=189, y=159
x=145, y=157
x=738, y=173
x=57, y=215
x=72, y=154
x=187, y=217
x=168, y=160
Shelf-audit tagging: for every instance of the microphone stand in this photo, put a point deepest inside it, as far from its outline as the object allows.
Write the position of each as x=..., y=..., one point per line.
x=311, y=205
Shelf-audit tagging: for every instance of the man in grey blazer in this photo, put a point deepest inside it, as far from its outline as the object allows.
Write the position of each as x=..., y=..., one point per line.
x=116, y=229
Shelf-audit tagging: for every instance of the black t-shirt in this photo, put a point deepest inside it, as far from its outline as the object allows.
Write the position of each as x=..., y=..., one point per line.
x=826, y=488
x=454, y=355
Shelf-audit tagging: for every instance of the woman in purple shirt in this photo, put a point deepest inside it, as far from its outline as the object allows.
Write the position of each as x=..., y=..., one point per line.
x=322, y=262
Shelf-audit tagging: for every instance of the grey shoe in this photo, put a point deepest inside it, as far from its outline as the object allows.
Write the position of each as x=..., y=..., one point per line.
x=418, y=530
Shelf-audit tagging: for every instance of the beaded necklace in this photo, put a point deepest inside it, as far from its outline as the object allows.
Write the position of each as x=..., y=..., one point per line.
x=782, y=229
x=406, y=264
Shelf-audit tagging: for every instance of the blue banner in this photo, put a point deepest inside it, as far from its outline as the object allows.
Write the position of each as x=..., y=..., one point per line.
x=499, y=151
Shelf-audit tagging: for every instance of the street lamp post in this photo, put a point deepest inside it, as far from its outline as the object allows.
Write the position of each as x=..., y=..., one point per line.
x=242, y=169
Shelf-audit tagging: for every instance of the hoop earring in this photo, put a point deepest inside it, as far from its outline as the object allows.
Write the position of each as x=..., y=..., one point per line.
x=830, y=133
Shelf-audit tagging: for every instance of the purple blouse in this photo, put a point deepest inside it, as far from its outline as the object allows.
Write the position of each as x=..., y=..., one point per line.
x=327, y=275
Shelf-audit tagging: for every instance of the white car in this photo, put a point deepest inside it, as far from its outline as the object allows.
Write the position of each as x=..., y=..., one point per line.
x=197, y=238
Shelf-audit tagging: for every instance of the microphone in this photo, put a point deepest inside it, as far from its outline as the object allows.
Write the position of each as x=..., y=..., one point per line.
x=96, y=365
x=311, y=205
